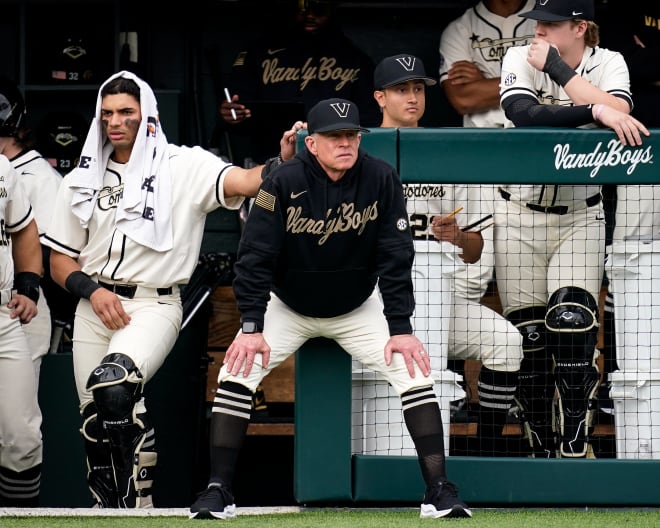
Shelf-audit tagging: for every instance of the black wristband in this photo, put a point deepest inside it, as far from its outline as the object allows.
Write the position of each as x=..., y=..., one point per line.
x=557, y=69
x=80, y=285
x=270, y=164
x=27, y=283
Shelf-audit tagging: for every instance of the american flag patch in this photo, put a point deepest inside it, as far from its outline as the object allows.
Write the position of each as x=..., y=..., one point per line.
x=240, y=59
x=265, y=200
x=58, y=74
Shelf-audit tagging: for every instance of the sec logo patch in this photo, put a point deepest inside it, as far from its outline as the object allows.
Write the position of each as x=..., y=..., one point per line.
x=402, y=224
x=510, y=79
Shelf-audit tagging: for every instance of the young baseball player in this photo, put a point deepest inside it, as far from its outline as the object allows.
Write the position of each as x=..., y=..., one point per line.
x=555, y=233
x=333, y=222
x=21, y=448
x=474, y=330
x=125, y=235
x=40, y=181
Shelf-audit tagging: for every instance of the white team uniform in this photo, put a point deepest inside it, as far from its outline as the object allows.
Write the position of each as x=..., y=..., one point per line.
x=20, y=416
x=109, y=256
x=537, y=253
x=41, y=182
x=482, y=37
x=460, y=327
x=637, y=213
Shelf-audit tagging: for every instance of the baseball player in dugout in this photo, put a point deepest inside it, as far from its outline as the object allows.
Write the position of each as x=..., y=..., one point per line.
x=40, y=181
x=125, y=235
x=332, y=221
x=453, y=215
x=549, y=239
x=21, y=449
x=471, y=52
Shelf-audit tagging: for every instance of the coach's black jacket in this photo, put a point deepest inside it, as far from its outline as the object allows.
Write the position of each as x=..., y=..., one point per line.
x=321, y=246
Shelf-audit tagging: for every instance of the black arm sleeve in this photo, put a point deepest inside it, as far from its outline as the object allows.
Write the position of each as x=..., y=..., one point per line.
x=526, y=111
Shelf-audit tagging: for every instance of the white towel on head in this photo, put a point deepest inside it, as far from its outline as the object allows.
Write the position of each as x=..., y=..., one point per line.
x=144, y=209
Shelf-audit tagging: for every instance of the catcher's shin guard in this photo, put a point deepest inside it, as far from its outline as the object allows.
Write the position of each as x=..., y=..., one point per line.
x=100, y=477
x=572, y=323
x=116, y=385
x=536, y=388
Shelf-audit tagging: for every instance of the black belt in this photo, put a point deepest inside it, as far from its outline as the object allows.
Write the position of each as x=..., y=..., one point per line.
x=128, y=290
x=553, y=209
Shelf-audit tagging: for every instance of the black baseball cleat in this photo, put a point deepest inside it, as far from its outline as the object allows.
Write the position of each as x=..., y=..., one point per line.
x=442, y=500
x=215, y=502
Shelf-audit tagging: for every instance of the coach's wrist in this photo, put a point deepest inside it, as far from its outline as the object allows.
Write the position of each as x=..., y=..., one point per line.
x=80, y=284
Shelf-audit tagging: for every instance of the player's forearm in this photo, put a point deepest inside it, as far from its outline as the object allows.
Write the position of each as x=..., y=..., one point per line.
x=26, y=250
x=471, y=244
x=473, y=97
x=61, y=266
x=582, y=92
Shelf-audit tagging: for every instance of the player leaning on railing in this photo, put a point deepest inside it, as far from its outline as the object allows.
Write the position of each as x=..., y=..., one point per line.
x=550, y=239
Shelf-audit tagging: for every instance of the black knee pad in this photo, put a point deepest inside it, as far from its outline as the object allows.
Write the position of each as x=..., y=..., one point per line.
x=530, y=322
x=572, y=324
x=116, y=386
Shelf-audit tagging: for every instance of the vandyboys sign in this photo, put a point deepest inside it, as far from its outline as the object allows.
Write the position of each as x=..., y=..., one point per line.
x=517, y=155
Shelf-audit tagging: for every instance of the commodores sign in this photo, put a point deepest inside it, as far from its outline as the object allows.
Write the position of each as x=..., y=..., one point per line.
x=615, y=154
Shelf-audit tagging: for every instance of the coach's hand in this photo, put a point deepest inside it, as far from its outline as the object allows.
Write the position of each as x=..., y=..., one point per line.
x=241, y=353
x=107, y=306
x=413, y=352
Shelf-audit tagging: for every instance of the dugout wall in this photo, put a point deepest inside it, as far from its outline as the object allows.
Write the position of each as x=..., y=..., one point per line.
x=325, y=470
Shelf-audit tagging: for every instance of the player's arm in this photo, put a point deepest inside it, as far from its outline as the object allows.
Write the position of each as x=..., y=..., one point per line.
x=26, y=252
x=445, y=228
x=246, y=182
x=545, y=58
x=66, y=271
x=468, y=90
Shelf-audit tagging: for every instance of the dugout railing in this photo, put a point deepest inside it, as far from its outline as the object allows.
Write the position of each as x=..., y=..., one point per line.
x=326, y=471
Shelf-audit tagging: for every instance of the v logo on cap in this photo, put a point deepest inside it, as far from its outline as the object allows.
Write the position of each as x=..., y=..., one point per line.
x=341, y=109
x=407, y=63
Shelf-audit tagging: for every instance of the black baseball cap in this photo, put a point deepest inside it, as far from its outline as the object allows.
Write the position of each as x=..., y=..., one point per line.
x=560, y=10
x=334, y=114
x=398, y=69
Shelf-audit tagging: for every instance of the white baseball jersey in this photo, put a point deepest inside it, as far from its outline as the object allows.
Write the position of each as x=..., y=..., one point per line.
x=20, y=418
x=106, y=254
x=601, y=67
x=426, y=200
x=41, y=182
x=15, y=214
x=482, y=37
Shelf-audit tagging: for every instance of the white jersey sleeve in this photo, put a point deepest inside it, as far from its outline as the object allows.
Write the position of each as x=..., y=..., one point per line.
x=41, y=183
x=15, y=214
x=601, y=67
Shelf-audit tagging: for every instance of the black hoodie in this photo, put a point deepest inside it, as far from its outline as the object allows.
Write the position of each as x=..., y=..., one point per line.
x=321, y=245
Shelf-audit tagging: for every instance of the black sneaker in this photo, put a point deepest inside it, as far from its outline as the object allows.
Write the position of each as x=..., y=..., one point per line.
x=215, y=502
x=442, y=500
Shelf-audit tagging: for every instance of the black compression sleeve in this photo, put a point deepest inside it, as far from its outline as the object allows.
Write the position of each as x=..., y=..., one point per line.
x=526, y=111
x=80, y=285
x=27, y=283
x=557, y=69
